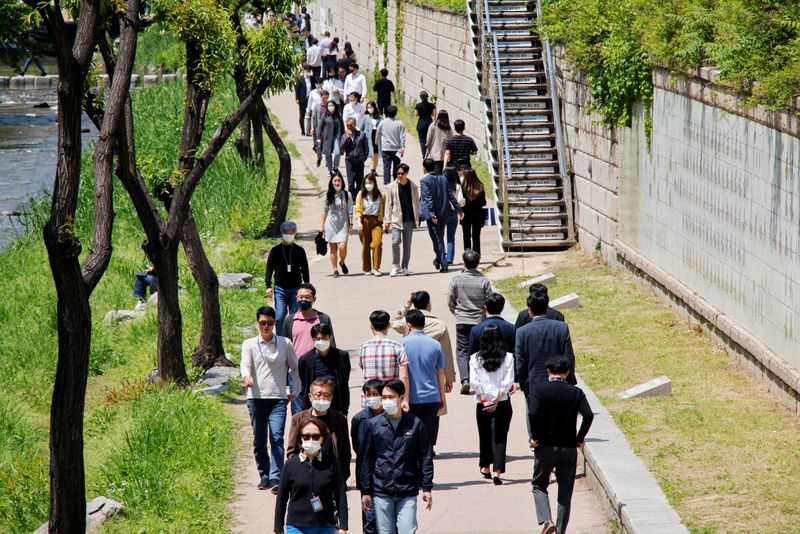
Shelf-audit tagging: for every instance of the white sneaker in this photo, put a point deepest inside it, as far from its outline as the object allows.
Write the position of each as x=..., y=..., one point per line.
x=395, y=271
x=406, y=272
x=366, y=273
x=376, y=272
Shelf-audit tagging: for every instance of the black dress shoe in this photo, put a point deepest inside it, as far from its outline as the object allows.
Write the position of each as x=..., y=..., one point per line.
x=497, y=481
x=486, y=474
x=437, y=265
x=264, y=484
x=465, y=388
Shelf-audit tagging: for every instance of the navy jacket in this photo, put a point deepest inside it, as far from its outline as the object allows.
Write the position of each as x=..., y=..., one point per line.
x=396, y=462
x=436, y=199
x=536, y=343
x=524, y=317
x=506, y=329
x=358, y=426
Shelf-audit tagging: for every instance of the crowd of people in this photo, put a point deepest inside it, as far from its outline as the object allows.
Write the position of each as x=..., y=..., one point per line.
x=404, y=387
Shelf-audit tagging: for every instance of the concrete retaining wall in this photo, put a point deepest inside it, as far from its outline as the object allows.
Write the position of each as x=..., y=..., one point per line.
x=51, y=80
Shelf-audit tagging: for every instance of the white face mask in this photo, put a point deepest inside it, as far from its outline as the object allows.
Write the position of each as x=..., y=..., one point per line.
x=369, y=187
x=321, y=406
x=322, y=344
x=373, y=402
x=311, y=446
x=288, y=237
x=389, y=406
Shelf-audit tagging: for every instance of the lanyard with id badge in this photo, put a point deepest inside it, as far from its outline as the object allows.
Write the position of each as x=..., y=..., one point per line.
x=316, y=503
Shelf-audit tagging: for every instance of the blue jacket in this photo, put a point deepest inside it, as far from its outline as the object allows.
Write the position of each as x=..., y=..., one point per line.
x=396, y=462
x=357, y=428
x=536, y=343
x=436, y=199
x=507, y=330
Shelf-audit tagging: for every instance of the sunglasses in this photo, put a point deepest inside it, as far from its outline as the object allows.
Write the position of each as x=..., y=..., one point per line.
x=266, y=323
x=312, y=437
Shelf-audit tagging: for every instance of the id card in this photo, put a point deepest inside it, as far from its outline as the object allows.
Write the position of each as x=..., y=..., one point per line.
x=288, y=267
x=316, y=504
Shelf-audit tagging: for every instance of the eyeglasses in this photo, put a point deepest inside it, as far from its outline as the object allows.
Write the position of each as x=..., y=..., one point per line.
x=266, y=323
x=321, y=395
x=312, y=437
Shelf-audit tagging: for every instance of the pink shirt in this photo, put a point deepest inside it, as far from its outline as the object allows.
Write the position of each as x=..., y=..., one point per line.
x=301, y=333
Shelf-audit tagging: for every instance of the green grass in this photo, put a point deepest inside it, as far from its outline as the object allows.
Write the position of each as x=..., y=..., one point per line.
x=159, y=48
x=129, y=428
x=458, y=7
x=719, y=443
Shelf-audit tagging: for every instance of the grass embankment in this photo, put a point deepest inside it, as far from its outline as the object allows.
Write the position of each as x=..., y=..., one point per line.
x=167, y=454
x=719, y=443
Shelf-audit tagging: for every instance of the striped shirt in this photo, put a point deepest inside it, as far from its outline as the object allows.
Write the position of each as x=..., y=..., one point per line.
x=460, y=147
x=381, y=357
x=467, y=294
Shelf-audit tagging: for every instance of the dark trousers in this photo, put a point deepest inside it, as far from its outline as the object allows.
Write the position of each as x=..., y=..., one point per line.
x=382, y=107
x=493, y=434
x=564, y=461
x=390, y=162
x=355, y=175
x=426, y=412
x=472, y=234
x=303, y=105
x=422, y=133
x=317, y=71
x=141, y=282
x=436, y=232
x=462, y=350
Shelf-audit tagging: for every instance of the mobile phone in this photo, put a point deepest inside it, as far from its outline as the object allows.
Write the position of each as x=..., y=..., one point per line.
x=487, y=407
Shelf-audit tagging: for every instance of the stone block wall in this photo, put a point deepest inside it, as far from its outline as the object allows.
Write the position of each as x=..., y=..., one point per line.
x=349, y=20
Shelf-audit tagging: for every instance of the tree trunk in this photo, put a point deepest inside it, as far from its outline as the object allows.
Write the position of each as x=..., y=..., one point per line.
x=242, y=144
x=171, y=367
x=210, y=352
x=258, y=138
x=280, y=202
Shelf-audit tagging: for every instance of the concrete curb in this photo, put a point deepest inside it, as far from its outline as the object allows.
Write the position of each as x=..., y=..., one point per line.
x=619, y=478
x=50, y=81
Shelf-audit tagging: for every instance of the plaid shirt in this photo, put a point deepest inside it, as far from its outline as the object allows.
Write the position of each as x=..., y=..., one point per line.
x=381, y=357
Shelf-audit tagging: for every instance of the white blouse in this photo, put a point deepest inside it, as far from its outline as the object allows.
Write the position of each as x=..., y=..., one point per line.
x=493, y=386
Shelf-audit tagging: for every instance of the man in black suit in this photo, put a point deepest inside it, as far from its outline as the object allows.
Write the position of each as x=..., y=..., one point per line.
x=302, y=90
x=524, y=317
x=493, y=305
x=553, y=408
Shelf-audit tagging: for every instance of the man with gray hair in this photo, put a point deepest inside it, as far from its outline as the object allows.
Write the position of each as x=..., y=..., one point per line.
x=288, y=265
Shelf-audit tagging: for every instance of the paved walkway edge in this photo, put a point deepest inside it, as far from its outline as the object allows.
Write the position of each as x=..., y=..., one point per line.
x=622, y=483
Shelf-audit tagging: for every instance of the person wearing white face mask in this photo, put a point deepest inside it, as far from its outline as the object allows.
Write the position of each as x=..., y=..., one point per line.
x=397, y=439
x=321, y=395
x=373, y=407
x=370, y=203
x=325, y=361
x=287, y=263
x=312, y=488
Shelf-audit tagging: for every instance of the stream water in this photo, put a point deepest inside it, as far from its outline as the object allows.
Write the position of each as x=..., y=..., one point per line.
x=28, y=139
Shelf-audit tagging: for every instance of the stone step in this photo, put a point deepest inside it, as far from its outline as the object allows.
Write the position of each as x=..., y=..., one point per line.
x=532, y=185
x=530, y=151
x=531, y=127
x=544, y=207
x=548, y=239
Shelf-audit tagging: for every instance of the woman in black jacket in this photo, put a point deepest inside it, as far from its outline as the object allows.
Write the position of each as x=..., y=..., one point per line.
x=337, y=368
x=331, y=129
x=312, y=487
x=474, y=215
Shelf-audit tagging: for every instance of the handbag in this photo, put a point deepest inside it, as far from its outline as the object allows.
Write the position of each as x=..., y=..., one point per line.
x=321, y=244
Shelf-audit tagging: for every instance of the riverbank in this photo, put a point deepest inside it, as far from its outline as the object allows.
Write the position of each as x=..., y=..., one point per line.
x=163, y=451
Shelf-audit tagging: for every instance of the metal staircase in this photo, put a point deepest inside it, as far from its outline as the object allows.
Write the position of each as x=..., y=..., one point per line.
x=533, y=190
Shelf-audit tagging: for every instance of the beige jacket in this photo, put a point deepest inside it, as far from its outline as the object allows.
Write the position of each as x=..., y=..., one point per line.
x=393, y=214
x=435, y=140
x=435, y=328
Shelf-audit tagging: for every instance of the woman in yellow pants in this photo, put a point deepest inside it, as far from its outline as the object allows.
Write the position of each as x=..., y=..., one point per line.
x=370, y=203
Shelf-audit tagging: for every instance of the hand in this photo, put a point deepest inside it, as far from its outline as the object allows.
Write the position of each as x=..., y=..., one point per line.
x=291, y=397
x=460, y=215
x=534, y=443
x=441, y=404
x=269, y=293
x=312, y=132
x=150, y=269
x=402, y=151
x=342, y=531
x=319, y=141
x=349, y=133
x=405, y=407
x=248, y=381
x=350, y=230
x=580, y=445
x=434, y=220
x=386, y=227
x=427, y=498
x=448, y=387
x=366, y=503
x=409, y=304
x=512, y=390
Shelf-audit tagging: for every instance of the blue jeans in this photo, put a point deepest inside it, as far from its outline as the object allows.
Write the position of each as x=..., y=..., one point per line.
x=285, y=304
x=390, y=159
x=291, y=529
x=436, y=232
x=332, y=159
x=395, y=515
x=268, y=415
x=297, y=403
x=141, y=282
x=452, y=226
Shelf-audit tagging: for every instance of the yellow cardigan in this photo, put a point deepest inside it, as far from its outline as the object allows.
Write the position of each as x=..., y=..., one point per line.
x=360, y=206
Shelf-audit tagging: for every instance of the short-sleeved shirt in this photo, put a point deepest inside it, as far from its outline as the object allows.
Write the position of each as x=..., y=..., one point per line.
x=406, y=202
x=460, y=147
x=301, y=331
x=425, y=111
x=425, y=358
x=381, y=357
x=384, y=89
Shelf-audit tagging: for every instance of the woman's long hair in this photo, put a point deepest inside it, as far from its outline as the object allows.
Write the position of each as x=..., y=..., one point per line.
x=334, y=46
x=335, y=113
x=376, y=113
x=472, y=186
x=452, y=178
x=374, y=194
x=443, y=120
x=492, y=348
x=331, y=194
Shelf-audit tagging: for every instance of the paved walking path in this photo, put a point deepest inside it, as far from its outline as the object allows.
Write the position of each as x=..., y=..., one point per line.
x=463, y=502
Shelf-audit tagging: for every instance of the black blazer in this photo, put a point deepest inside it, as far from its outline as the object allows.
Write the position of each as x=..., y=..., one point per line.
x=300, y=89
x=308, y=373
x=506, y=329
x=524, y=318
x=553, y=409
x=537, y=342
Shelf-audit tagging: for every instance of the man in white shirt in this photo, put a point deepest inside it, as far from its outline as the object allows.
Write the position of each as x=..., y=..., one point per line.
x=354, y=110
x=267, y=360
x=314, y=58
x=355, y=82
x=335, y=87
x=314, y=100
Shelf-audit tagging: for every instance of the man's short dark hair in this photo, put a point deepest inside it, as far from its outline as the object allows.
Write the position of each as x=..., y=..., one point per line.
x=379, y=319
x=372, y=383
x=307, y=285
x=354, y=66
x=391, y=111
x=495, y=303
x=415, y=318
x=537, y=303
x=321, y=328
x=428, y=164
x=396, y=385
x=420, y=299
x=471, y=258
x=403, y=167
x=384, y=72
x=269, y=311
x=459, y=125
x=558, y=365
x=538, y=286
